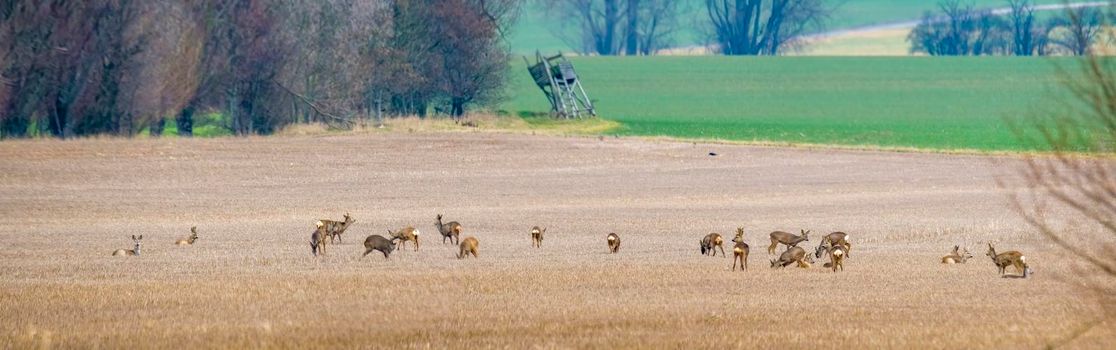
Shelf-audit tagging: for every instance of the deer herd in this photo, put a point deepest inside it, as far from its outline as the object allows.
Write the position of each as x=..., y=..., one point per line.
x=834, y=245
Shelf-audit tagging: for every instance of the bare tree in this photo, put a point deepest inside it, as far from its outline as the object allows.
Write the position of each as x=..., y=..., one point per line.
x=1078, y=30
x=1069, y=193
x=1028, y=38
x=613, y=27
x=762, y=27
x=961, y=30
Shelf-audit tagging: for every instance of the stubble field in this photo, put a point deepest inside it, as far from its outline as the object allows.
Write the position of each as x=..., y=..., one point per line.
x=250, y=280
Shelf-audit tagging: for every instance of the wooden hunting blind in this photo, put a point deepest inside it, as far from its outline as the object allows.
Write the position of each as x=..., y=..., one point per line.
x=558, y=80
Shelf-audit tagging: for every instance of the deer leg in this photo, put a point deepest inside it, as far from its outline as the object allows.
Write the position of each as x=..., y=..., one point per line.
x=722, y=250
x=771, y=248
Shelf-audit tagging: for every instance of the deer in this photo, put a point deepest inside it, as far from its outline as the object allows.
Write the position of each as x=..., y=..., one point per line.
x=613, y=243
x=450, y=230
x=335, y=228
x=740, y=250
x=710, y=242
x=790, y=239
x=1014, y=258
x=189, y=240
x=134, y=252
x=317, y=241
x=407, y=234
x=791, y=256
x=827, y=249
x=827, y=241
x=378, y=242
x=468, y=246
x=537, y=236
x=957, y=256
x=837, y=255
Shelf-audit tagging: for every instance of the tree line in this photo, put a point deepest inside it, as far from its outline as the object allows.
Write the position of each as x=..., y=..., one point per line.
x=959, y=29
x=73, y=68
x=640, y=27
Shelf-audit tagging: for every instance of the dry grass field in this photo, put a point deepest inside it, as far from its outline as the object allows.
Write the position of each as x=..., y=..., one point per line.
x=250, y=281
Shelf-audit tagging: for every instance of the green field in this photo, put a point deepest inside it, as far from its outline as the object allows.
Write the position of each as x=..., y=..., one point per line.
x=922, y=102
x=536, y=30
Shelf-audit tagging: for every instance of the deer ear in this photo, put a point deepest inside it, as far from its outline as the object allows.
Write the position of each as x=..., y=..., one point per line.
x=141, y=237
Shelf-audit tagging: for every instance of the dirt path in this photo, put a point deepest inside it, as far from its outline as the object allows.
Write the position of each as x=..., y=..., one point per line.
x=250, y=280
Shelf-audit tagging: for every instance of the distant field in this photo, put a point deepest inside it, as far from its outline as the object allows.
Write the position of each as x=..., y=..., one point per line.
x=537, y=31
x=939, y=103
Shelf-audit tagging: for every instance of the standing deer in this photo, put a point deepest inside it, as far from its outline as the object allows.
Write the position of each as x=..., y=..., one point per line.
x=537, y=236
x=407, y=234
x=740, y=250
x=829, y=240
x=791, y=256
x=378, y=242
x=1014, y=258
x=451, y=230
x=837, y=255
x=957, y=256
x=613, y=242
x=335, y=228
x=317, y=241
x=790, y=239
x=189, y=240
x=134, y=252
x=468, y=246
x=710, y=242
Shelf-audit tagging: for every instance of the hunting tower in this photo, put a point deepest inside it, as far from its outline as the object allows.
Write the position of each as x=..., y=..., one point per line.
x=559, y=82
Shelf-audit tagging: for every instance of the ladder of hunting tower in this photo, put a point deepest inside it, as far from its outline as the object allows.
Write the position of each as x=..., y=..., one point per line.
x=558, y=80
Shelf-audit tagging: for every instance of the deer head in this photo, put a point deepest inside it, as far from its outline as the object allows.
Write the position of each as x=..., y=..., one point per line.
x=138, y=243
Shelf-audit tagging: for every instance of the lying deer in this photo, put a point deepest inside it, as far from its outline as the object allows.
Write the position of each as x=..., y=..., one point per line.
x=451, y=230
x=740, y=250
x=957, y=256
x=790, y=239
x=791, y=256
x=613, y=242
x=537, y=236
x=189, y=240
x=134, y=252
x=827, y=241
x=468, y=246
x=1014, y=258
x=407, y=234
x=335, y=228
x=710, y=242
x=378, y=242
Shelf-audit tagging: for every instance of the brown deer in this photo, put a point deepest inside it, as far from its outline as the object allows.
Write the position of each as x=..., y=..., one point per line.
x=613, y=242
x=335, y=228
x=468, y=246
x=407, y=234
x=710, y=242
x=957, y=256
x=189, y=240
x=740, y=250
x=450, y=230
x=537, y=236
x=317, y=241
x=791, y=256
x=790, y=239
x=827, y=241
x=378, y=242
x=134, y=252
x=1014, y=258
x=837, y=255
